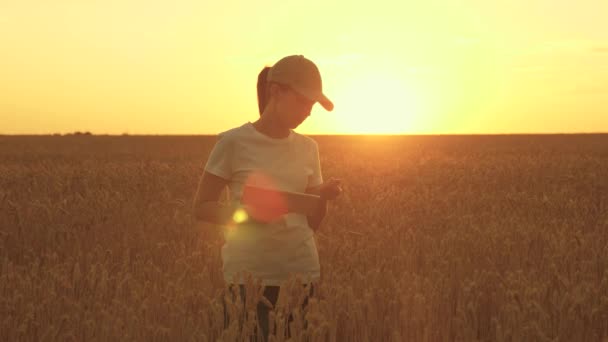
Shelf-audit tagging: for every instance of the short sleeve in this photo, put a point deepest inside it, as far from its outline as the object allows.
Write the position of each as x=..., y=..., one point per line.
x=316, y=178
x=219, y=162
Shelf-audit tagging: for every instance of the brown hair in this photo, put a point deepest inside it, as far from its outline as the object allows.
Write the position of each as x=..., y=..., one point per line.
x=263, y=94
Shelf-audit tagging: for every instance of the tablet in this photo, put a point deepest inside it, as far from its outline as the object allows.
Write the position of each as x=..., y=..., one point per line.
x=295, y=202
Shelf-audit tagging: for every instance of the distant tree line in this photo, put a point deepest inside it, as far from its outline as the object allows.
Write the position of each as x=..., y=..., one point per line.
x=78, y=133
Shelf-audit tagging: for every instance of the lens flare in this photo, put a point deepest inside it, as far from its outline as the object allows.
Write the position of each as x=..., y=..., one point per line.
x=240, y=215
x=264, y=201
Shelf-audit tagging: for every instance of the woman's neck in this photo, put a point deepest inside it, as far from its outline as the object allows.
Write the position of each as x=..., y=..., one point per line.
x=269, y=126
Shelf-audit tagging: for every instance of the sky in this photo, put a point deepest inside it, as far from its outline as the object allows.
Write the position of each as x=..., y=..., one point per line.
x=394, y=67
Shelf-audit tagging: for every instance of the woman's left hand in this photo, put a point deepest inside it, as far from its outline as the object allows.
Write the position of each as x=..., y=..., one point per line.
x=331, y=189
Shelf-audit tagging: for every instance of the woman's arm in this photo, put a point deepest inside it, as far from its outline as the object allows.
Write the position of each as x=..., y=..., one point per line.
x=327, y=191
x=314, y=220
x=206, y=206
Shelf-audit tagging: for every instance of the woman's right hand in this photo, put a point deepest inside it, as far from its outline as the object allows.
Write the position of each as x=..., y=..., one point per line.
x=331, y=189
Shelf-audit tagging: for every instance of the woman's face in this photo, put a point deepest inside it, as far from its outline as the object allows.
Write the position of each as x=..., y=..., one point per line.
x=292, y=107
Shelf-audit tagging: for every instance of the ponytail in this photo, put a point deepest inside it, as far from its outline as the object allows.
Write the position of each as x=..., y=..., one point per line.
x=263, y=89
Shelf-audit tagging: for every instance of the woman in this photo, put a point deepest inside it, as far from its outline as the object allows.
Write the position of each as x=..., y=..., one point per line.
x=270, y=241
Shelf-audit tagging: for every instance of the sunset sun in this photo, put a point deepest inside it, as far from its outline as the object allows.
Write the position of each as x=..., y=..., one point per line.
x=378, y=103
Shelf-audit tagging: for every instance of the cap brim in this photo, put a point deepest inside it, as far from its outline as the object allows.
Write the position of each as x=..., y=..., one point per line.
x=321, y=98
x=325, y=102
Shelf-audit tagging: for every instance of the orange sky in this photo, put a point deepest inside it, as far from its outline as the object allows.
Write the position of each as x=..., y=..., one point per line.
x=190, y=66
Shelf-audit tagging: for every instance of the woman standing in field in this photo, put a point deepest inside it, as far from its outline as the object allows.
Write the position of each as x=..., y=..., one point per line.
x=265, y=236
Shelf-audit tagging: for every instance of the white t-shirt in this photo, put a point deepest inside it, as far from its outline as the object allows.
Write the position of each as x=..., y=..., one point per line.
x=274, y=251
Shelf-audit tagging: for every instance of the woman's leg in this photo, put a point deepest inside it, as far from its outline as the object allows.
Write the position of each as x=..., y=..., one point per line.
x=272, y=294
x=304, y=305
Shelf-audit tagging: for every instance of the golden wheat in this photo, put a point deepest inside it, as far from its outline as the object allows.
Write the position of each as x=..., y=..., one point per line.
x=435, y=239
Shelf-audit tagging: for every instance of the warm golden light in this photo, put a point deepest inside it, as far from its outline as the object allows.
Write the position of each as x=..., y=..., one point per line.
x=377, y=103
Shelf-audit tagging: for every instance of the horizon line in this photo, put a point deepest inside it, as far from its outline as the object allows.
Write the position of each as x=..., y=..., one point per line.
x=90, y=134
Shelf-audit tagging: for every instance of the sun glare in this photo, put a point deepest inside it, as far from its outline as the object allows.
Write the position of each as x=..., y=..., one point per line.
x=377, y=104
x=240, y=216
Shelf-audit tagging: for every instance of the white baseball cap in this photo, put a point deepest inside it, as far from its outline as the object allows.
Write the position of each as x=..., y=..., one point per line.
x=303, y=76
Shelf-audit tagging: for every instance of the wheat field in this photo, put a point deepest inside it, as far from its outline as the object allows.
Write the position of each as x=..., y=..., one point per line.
x=436, y=238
